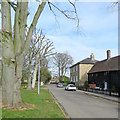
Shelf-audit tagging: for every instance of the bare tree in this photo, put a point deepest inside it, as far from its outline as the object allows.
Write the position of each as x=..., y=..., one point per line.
x=45, y=49
x=62, y=61
x=15, y=45
x=40, y=48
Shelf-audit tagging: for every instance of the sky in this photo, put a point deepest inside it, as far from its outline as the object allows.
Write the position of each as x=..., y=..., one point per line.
x=98, y=30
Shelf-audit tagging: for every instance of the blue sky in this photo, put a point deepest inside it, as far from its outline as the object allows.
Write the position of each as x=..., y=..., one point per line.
x=97, y=33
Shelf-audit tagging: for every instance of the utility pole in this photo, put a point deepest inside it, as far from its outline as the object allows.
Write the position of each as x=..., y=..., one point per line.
x=39, y=77
x=0, y=62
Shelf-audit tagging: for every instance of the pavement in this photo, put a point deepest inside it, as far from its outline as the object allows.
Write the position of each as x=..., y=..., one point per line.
x=107, y=97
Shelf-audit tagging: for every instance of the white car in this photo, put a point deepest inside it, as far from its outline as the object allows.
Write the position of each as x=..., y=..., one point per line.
x=70, y=87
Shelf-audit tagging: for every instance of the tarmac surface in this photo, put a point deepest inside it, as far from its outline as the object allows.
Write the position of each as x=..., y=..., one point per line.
x=82, y=104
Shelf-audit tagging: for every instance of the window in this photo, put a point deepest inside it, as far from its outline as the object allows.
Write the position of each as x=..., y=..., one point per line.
x=76, y=78
x=73, y=69
x=76, y=68
x=72, y=85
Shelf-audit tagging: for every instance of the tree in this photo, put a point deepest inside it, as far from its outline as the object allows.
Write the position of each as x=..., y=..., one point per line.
x=15, y=44
x=44, y=72
x=66, y=79
x=44, y=49
x=62, y=61
x=14, y=49
x=40, y=48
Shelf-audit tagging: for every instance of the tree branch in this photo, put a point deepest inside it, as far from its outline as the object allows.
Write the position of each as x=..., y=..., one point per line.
x=12, y=5
x=32, y=27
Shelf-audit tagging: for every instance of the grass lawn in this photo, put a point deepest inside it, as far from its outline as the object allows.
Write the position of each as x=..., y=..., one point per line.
x=43, y=109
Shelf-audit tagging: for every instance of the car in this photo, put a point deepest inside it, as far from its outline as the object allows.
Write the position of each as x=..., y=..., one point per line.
x=70, y=87
x=59, y=85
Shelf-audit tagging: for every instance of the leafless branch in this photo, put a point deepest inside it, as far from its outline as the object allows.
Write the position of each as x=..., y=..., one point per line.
x=13, y=5
x=66, y=13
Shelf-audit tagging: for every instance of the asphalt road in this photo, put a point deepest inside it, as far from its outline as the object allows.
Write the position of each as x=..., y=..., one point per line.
x=80, y=105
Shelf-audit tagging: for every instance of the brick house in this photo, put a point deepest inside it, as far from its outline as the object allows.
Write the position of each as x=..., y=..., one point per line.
x=78, y=71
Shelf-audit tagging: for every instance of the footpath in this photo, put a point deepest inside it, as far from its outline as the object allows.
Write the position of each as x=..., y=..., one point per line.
x=107, y=97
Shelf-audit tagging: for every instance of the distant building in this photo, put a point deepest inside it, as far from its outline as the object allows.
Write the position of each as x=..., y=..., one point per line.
x=78, y=71
x=52, y=81
x=106, y=73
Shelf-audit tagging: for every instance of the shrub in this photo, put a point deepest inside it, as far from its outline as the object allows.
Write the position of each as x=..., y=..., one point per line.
x=86, y=84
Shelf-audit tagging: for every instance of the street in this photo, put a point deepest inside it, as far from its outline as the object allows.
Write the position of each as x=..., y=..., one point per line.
x=80, y=105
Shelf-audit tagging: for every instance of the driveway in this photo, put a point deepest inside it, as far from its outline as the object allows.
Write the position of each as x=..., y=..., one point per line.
x=80, y=105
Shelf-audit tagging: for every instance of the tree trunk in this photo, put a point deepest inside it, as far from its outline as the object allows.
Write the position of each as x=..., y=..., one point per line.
x=59, y=71
x=62, y=73
x=34, y=76
x=8, y=84
x=17, y=101
x=35, y=72
x=8, y=59
x=29, y=78
x=13, y=50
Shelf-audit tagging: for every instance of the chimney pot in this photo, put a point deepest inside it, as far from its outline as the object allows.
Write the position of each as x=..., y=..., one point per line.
x=108, y=54
x=92, y=56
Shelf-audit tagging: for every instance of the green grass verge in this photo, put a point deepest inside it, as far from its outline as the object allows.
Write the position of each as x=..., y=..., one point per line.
x=43, y=109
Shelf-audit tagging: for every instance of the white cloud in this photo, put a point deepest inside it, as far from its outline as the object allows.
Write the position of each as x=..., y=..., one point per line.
x=99, y=25
x=77, y=49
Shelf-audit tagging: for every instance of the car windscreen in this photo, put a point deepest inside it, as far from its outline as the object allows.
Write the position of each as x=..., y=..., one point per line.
x=72, y=85
x=59, y=83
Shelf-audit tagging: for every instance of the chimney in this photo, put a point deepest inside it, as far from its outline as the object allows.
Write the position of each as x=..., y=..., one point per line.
x=92, y=56
x=108, y=54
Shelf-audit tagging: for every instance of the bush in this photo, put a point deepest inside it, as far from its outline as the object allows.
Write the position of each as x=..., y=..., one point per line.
x=113, y=88
x=86, y=84
x=65, y=79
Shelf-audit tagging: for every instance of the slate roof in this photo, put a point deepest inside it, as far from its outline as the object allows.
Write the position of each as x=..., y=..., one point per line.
x=113, y=64
x=86, y=61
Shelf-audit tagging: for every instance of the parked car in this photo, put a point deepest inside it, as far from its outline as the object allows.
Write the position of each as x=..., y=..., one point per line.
x=59, y=85
x=70, y=87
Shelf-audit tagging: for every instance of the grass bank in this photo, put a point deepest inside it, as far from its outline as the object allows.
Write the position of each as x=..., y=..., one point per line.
x=45, y=107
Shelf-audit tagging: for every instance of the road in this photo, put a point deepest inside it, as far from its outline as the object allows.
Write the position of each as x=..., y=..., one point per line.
x=80, y=105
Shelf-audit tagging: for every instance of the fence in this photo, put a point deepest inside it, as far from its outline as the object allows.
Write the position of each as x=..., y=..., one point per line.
x=99, y=91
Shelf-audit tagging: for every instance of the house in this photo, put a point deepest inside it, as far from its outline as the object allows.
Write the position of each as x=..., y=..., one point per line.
x=78, y=71
x=105, y=74
x=53, y=81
